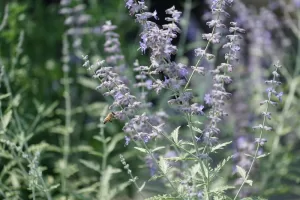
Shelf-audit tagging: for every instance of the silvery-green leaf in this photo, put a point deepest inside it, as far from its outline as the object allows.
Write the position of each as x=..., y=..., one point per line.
x=241, y=171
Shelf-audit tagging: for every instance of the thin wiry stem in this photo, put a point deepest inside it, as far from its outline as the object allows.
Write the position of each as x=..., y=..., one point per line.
x=104, y=147
x=258, y=145
x=66, y=83
x=33, y=194
x=206, y=187
x=5, y=17
x=133, y=179
x=207, y=45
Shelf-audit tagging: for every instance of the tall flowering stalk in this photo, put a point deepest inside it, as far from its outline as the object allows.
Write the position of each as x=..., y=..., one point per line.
x=76, y=21
x=68, y=115
x=187, y=167
x=217, y=10
x=271, y=91
x=112, y=48
x=216, y=99
x=177, y=77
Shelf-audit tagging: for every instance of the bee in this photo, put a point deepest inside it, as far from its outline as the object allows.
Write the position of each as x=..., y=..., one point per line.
x=109, y=117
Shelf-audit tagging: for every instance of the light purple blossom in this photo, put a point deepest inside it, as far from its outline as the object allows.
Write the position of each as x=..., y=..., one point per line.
x=207, y=99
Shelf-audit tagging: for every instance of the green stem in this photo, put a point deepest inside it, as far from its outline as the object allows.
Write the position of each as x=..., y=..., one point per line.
x=206, y=187
x=257, y=147
x=33, y=194
x=198, y=62
x=66, y=83
x=104, y=147
x=5, y=17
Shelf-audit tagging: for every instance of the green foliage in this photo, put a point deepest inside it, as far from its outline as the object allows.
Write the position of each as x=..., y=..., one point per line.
x=48, y=110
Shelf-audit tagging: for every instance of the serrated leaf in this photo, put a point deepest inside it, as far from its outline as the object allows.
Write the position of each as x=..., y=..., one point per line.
x=50, y=109
x=90, y=109
x=241, y=171
x=187, y=143
x=59, y=130
x=91, y=165
x=249, y=182
x=155, y=177
x=142, y=187
x=141, y=149
x=263, y=155
x=285, y=130
x=16, y=100
x=196, y=129
x=248, y=155
x=221, y=164
x=115, y=191
x=65, y=170
x=107, y=139
x=6, y=119
x=174, y=134
x=47, y=125
x=195, y=169
x=42, y=146
x=163, y=165
x=113, y=142
x=96, y=153
x=75, y=110
x=4, y=154
x=88, y=82
x=88, y=189
x=197, y=122
x=220, y=146
x=158, y=148
x=82, y=148
x=7, y=168
x=39, y=107
x=54, y=187
x=105, y=181
x=98, y=138
x=176, y=159
x=3, y=96
x=205, y=175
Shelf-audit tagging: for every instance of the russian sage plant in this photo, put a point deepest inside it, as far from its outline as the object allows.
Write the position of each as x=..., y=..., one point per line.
x=168, y=110
x=186, y=169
